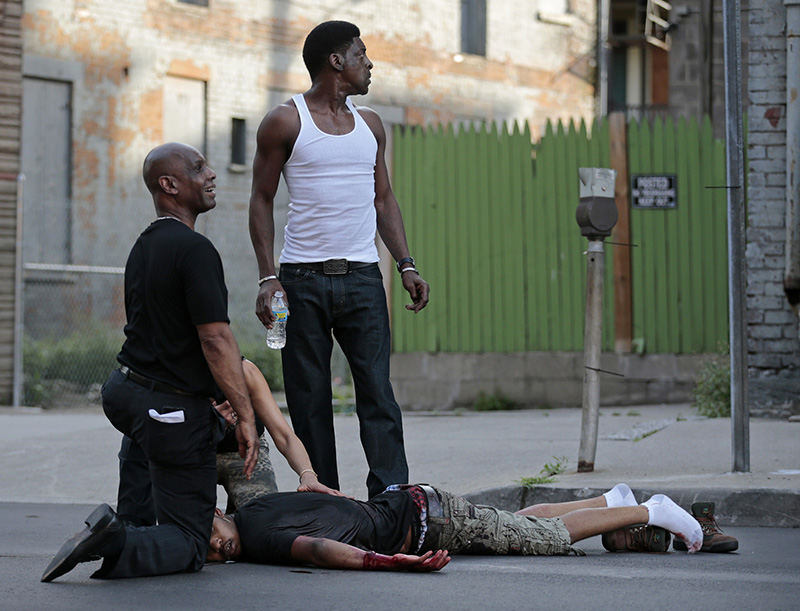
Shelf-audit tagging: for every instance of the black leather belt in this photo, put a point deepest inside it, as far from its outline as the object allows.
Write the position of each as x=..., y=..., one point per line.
x=435, y=521
x=434, y=503
x=151, y=384
x=331, y=267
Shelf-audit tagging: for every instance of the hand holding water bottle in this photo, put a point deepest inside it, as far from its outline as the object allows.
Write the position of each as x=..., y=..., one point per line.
x=276, y=335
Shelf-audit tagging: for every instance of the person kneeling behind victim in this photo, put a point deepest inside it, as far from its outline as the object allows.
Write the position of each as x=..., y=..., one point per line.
x=135, y=504
x=136, y=508
x=417, y=527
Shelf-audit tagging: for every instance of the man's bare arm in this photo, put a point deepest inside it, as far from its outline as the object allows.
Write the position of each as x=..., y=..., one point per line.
x=274, y=141
x=225, y=362
x=389, y=218
x=327, y=553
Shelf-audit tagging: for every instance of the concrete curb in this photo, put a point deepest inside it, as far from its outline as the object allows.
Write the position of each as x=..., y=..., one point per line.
x=752, y=507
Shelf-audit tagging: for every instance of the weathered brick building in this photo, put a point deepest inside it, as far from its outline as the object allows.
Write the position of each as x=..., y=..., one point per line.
x=89, y=86
x=773, y=232
x=106, y=81
x=10, y=121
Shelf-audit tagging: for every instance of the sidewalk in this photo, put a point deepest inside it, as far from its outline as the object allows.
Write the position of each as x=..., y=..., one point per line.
x=70, y=457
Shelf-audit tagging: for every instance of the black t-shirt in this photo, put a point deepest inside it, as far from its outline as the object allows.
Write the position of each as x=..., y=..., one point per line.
x=173, y=282
x=269, y=524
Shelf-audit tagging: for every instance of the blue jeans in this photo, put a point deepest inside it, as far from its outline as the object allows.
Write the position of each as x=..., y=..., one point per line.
x=352, y=306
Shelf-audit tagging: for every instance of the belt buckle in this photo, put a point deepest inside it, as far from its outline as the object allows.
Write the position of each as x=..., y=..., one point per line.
x=334, y=267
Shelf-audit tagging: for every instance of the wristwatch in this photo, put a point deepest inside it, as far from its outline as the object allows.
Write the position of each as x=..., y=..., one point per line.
x=405, y=260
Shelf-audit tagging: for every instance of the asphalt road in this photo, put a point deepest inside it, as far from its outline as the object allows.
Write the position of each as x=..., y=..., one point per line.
x=764, y=574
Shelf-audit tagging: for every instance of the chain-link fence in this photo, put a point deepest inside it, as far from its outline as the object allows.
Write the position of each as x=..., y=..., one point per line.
x=72, y=331
x=73, y=319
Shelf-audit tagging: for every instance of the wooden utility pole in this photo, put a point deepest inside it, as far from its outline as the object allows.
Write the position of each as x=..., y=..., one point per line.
x=623, y=291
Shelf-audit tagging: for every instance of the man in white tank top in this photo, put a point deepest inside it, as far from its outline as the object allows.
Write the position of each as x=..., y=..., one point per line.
x=332, y=157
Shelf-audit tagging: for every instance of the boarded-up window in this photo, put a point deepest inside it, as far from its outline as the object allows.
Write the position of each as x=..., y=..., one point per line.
x=185, y=111
x=47, y=165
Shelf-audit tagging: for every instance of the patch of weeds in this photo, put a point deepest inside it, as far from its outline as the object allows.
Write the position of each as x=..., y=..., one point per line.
x=51, y=365
x=343, y=401
x=712, y=390
x=342, y=392
x=643, y=435
x=546, y=473
x=681, y=419
x=530, y=482
x=615, y=414
x=633, y=413
x=558, y=466
x=493, y=403
x=344, y=408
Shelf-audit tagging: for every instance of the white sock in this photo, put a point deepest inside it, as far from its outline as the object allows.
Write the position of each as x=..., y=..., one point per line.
x=620, y=496
x=664, y=512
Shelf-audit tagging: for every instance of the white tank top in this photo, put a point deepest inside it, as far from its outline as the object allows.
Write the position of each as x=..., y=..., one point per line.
x=331, y=181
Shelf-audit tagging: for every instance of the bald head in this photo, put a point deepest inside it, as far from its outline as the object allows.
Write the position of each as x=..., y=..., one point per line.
x=180, y=180
x=166, y=160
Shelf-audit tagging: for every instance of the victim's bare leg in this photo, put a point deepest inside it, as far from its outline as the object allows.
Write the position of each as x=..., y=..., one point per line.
x=553, y=510
x=617, y=508
x=585, y=523
x=619, y=496
x=658, y=510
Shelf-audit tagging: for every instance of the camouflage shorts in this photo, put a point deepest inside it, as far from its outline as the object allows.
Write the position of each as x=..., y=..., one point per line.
x=240, y=489
x=479, y=529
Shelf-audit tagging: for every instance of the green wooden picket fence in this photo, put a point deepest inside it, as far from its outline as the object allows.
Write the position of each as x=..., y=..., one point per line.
x=680, y=269
x=490, y=218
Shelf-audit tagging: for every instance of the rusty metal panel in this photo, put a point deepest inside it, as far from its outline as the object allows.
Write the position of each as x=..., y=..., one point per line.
x=47, y=165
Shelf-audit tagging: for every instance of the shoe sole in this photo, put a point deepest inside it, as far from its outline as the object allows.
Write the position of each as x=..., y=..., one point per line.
x=717, y=548
x=658, y=540
x=67, y=558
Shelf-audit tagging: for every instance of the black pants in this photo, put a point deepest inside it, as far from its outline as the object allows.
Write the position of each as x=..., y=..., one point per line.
x=183, y=476
x=352, y=307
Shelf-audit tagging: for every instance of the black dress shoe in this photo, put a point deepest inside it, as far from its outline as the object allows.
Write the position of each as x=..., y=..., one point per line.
x=101, y=527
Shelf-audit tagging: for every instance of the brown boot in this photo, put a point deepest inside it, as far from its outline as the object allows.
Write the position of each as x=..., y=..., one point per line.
x=637, y=538
x=714, y=540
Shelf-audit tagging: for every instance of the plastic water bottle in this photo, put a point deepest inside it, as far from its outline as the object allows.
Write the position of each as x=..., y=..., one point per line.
x=276, y=336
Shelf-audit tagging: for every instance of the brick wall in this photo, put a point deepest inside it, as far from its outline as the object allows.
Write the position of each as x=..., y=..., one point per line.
x=696, y=61
x=689, y=56
x=772, y=328
x=10, y=114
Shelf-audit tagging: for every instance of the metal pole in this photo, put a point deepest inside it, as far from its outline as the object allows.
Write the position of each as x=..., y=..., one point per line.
x=592, y=337
x=18, y=310
x=734, y=141
x=602, y=57
x=791, y=277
